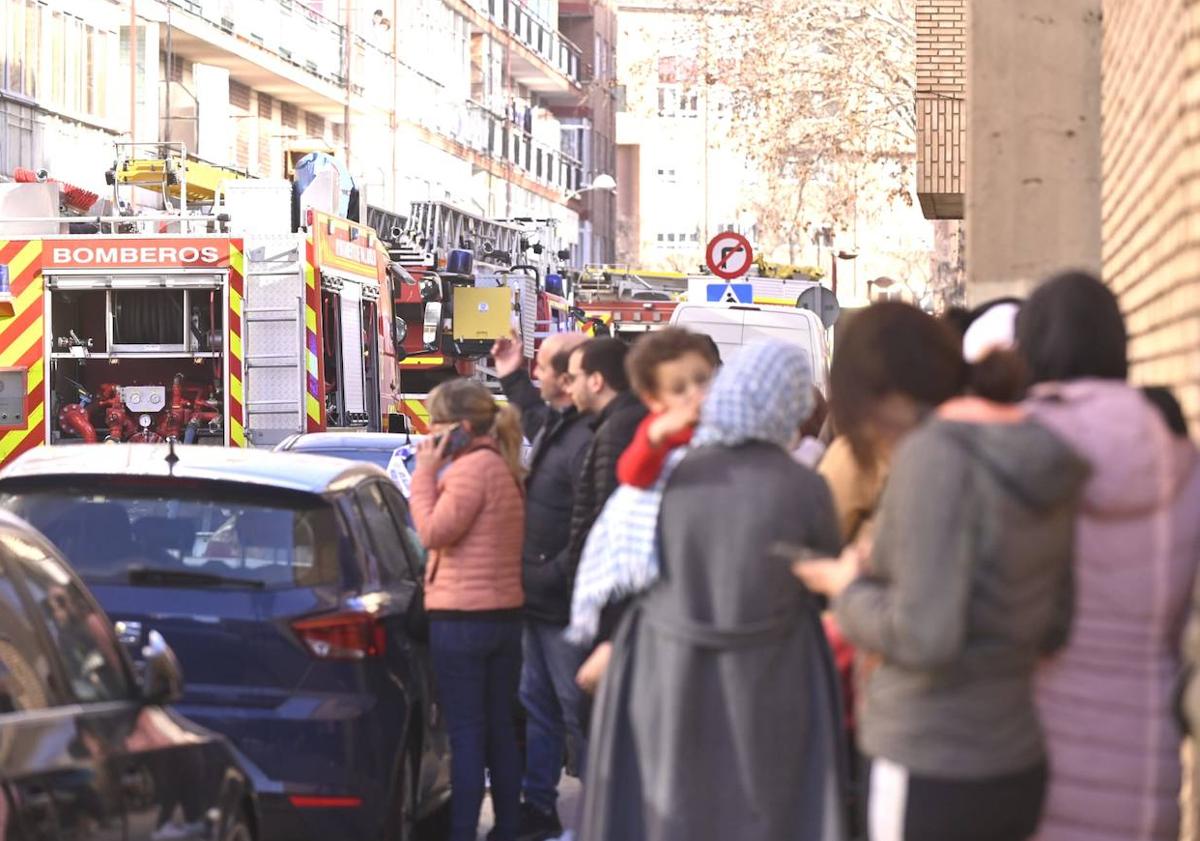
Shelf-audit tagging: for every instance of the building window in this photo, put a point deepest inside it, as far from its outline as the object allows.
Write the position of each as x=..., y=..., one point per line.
x=288, y=115
x=239, y=95
x=314, y=124
x=674, y=101
x=56, y=58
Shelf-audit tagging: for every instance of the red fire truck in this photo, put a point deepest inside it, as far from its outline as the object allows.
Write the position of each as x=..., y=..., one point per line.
x=463, y=281
x=626, y=302
x=198, y=335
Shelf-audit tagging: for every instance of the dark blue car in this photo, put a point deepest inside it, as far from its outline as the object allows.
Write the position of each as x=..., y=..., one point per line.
x=290, y=591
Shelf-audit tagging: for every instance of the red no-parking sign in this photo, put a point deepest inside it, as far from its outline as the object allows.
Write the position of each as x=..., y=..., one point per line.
x=729, y=255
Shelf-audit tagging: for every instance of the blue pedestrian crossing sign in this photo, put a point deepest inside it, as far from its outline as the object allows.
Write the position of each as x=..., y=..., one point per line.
x=730, y=293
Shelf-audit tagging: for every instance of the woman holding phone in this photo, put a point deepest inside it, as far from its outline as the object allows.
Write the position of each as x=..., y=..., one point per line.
x=965, y=588
x=468, y=505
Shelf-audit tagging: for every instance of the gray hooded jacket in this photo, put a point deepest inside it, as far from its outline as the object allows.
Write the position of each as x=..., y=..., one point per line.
x=969, y=586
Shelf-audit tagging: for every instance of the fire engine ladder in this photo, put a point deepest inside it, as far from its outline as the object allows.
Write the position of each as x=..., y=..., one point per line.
x=168, y=169
x=274, y=339
x=598, y=283
x=445, y=227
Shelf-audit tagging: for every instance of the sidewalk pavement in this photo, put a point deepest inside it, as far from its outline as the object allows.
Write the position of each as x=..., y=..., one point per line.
x=570, y=802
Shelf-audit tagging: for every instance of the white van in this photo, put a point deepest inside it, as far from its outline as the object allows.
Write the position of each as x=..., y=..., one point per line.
x=733, y=326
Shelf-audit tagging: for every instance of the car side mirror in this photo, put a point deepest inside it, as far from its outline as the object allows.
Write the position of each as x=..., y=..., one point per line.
x=162, y=680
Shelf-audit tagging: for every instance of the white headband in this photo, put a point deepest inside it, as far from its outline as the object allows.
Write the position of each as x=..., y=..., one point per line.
x=996, y=329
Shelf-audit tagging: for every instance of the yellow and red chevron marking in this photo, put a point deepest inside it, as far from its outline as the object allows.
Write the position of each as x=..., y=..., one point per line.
x=415, y=410
x=237, y=395
x=22, y=342
x=314, y=361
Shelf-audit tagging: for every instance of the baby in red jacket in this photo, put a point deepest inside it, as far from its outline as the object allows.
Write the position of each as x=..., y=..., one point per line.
x=670, y=370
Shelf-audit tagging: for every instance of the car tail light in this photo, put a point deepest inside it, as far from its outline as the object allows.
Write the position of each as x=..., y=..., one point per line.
x=343, y=636
x=305, y=802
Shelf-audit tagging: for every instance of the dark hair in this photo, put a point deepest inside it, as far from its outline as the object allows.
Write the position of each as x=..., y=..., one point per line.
x=812, y=427
x=958, y=319
x=606, y=357
x=716, y=351
x=891, y=348
x=1071, y=329
x=1001, y=375
x=561, y=361
x=666, y=345
x=1164, y=400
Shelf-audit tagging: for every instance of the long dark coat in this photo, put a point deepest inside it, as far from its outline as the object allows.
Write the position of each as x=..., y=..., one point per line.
x=719, y=717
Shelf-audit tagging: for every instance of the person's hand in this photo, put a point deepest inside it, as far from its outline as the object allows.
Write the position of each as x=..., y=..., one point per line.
x=509, y=354
x=672, y=422
x=593, y=669
x=830, y=576
x=431, y=452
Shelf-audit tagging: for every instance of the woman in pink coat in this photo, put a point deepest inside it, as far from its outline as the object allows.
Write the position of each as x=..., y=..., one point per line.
x=1106, y=699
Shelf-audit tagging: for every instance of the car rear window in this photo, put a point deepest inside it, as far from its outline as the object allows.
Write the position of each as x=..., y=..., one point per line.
x=109, y=536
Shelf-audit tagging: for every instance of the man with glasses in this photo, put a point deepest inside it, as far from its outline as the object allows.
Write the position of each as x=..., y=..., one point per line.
x=560, y=437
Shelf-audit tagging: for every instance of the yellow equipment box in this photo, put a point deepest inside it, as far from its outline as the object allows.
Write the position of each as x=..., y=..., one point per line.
x=482, y=313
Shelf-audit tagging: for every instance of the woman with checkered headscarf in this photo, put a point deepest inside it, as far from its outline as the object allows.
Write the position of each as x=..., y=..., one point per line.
x=718, y=718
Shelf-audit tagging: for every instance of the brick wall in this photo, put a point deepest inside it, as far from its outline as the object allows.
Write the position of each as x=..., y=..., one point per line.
x=941, y=113
x=1151, y=204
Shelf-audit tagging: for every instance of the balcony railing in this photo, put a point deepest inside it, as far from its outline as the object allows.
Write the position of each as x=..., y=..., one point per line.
x=286, y=28
x=427, y=103
x=539, y=36
x=303, y=37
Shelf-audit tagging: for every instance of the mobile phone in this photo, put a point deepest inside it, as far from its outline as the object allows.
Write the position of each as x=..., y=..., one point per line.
x=459, y=440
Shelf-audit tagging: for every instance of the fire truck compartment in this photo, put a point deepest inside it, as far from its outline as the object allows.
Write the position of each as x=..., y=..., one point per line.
x=134, y=363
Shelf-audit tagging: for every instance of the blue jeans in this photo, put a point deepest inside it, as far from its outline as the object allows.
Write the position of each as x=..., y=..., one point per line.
x=478, y=666
x=554, y=706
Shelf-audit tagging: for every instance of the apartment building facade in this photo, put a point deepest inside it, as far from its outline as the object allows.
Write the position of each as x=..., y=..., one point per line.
x=1150, y=166
x=1073, y=123
x=448, y=100
x=590, y=124
x=686, y=172
x=681, y=178
x=941, y=100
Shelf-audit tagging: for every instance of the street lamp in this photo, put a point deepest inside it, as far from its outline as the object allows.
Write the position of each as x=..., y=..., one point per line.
x=603, y=182
x=840, y=255
x=881, y=282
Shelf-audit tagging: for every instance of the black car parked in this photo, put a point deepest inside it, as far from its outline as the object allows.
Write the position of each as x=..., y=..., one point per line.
x=88, y=751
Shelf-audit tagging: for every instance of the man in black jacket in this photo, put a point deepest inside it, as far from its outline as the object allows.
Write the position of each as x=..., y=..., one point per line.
x=600, y=388
x=560, y=437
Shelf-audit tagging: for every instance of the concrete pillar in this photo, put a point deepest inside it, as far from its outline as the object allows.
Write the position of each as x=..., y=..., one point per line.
x=1033, y=142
